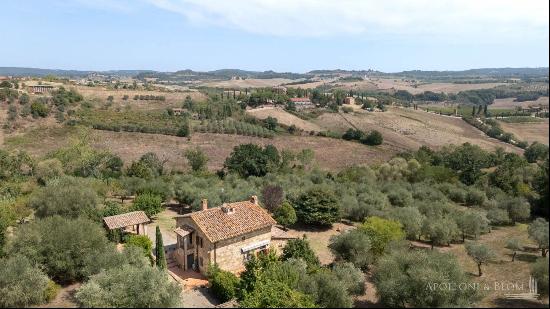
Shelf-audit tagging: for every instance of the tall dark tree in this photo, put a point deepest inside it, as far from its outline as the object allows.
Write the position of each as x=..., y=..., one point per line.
x=159, y=250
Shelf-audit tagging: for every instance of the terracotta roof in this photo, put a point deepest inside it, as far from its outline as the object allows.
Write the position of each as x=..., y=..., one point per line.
x=218, y=224
x=184, y=230
x=127, y=219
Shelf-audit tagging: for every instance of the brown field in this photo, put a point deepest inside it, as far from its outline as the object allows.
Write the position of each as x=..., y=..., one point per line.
x=331, y=154
x=510, y=103
x=397, y=84
x=284, y=118
x=173, y=99
x=531, y=131
x=388, y=84
x=404, y=128
x=247, y=83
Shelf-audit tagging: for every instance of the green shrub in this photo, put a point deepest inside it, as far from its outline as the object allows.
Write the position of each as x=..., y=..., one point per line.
x=317, y=206
x=374, y=138
x=300, y=249
x=224, y=284
x=52, y=289
x=151, y=204
x=141, y=241
x=285, y=215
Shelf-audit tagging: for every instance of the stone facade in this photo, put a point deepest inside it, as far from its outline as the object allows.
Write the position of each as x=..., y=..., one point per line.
x=227, y=254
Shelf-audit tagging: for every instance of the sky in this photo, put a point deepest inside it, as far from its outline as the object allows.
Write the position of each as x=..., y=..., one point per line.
x=279, y=35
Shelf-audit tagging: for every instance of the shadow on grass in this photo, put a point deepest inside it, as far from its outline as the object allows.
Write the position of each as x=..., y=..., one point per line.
x=529, y=258
x=311, y=228
x=518, y=303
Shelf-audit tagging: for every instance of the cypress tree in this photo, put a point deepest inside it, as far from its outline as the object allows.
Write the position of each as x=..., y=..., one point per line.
x=159, y=250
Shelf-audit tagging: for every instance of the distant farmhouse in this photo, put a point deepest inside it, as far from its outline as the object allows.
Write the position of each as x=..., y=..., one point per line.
x=302, y=103
x=228, y=236
x=178, y=111
x=39, y=89
x=279, y=89
x=349, y=100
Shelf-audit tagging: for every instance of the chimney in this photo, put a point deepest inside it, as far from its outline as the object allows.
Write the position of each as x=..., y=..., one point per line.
x=227, y=210
x=204, y=204
x=254, y=199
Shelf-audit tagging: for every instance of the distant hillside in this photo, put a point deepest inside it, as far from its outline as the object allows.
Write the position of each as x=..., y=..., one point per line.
x=16, y=71
x=472, y=73
x=223, y=74
x=226, y=74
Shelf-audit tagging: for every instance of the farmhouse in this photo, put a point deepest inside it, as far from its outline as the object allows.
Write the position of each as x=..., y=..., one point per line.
x=302, y=103
x=228, y=235
x=40, y=88
x=349, y=100
x=178, y=111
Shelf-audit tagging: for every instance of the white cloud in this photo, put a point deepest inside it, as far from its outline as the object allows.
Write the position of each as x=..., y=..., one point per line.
x=310, y=18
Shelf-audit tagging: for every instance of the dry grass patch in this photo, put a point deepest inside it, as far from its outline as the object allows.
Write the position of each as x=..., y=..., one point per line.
x=405, y=128
x=284, y=118
x=531, y=132
x=502, y=270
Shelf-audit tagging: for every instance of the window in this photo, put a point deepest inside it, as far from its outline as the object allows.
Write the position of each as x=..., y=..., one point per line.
x=200, y=261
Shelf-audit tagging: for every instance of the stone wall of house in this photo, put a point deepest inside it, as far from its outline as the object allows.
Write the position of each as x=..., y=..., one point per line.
x=228, y=254
x=201, y=253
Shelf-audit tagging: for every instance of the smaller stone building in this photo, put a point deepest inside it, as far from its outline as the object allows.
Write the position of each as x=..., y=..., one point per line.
x=134, y=222
x=228, y=235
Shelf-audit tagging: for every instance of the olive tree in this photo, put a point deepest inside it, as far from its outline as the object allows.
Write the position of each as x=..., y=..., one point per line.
x=406, y=278
x=480, y=253
x=67, y=249
x=354, y=247
x=440, y=231
x=67, y=197
x=197, y=159
x=538, y=231
x=130, y=287
x=514, y=244
x=411, y=219
x=22, y=284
